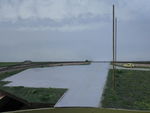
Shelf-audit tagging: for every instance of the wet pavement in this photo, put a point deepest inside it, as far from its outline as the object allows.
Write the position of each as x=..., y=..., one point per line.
x=85, y=83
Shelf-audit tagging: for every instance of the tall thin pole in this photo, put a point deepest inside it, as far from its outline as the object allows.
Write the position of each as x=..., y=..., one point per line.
x=116, y=39
x=113, y=77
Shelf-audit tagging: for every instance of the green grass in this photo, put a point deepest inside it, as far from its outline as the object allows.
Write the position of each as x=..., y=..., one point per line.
x=5, y=75
x=132, y=90
x=36, y=95
x=8, y=74
x=32, y=95
x=3, y=64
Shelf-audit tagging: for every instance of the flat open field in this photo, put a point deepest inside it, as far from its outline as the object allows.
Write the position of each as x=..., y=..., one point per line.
x=132, y=90
x=3, y=64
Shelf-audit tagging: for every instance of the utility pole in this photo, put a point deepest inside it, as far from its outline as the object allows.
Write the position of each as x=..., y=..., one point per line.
x=116, y=39
x=113, y=63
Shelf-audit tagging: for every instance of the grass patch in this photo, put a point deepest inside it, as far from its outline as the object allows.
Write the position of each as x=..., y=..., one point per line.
x=132, y=90
x=36, y=95
x=3, y=64
x=8, y=74
x=32, y=95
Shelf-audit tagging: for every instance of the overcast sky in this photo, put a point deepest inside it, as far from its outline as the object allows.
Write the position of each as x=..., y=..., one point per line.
x=46, y=30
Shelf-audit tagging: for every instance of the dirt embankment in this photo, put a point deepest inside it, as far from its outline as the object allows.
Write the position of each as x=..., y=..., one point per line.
x=22, y=66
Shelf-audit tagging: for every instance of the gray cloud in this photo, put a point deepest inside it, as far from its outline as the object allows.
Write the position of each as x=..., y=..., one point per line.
x=30, y=29
x=60, y=15
x=57, y=10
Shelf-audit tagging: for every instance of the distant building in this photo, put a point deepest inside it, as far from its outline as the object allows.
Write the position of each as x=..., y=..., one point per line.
x=27, y=62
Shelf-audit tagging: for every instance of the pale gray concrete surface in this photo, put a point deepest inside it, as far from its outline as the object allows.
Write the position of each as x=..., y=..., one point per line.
x=85, y=83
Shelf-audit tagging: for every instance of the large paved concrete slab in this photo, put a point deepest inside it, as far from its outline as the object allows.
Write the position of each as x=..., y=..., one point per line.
x=85, y=83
